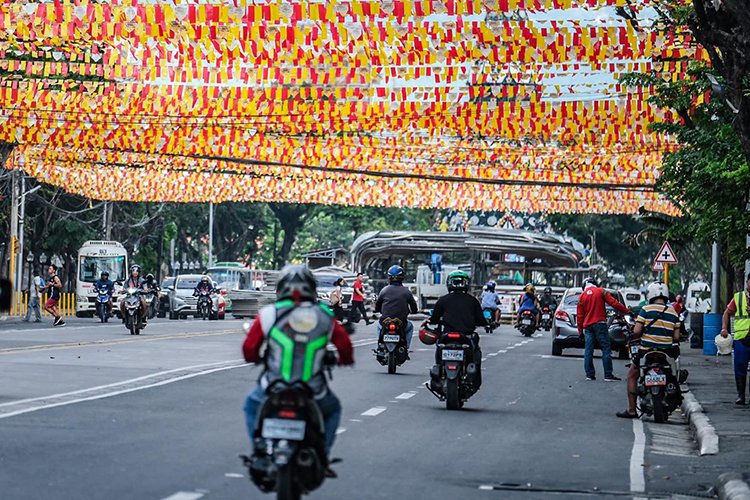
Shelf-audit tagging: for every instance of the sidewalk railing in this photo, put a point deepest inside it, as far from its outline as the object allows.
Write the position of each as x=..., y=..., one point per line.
x=20, y=304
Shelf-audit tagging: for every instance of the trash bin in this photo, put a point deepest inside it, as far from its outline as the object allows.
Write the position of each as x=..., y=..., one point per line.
x=711, y=328
x=696, y=326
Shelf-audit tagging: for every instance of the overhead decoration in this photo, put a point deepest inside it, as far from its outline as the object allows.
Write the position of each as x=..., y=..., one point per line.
x=473, y=104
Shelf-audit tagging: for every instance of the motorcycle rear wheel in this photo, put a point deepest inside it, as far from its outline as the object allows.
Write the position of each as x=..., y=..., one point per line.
x=660, y=412
x=392, y=363
x=452, y=397
x=286, y=487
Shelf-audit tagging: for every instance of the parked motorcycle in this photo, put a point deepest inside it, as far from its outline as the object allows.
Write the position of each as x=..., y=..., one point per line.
x=546, y=320
x=392, y=350
x=489, y=318
x=132, y=311
x=456, y=376
x=102, y=304
x=289, y=441
x=526, y=325
x=658, y=388
x=205, y=304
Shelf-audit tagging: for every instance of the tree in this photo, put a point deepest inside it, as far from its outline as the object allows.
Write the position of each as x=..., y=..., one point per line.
x=292, y=217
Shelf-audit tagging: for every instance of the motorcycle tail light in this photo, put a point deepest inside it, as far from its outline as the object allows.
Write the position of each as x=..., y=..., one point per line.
x=392, y=326
x=288, y=414
x=454, y=335
x=452, y=367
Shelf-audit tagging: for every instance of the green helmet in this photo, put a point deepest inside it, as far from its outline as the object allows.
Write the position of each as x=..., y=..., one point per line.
x=457, y=281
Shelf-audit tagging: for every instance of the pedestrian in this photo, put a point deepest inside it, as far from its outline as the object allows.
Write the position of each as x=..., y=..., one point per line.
x=335, y=299
x=738, y=307
x=592, y=320
x=34, y=294
x=358, y=300
x=53, y=287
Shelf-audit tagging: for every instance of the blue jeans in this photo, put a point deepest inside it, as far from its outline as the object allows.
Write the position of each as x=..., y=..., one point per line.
x=600, y=332
x=33, y=306
x=740, y=358
x=329, y=405
x=409, y=332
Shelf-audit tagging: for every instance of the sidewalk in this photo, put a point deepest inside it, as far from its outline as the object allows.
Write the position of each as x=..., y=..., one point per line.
x=711, y=381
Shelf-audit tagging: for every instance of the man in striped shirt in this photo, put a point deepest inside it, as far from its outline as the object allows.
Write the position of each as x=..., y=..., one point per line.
x=658, y=327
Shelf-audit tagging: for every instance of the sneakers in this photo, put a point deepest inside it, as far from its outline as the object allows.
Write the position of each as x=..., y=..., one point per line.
x=626, y=414
x=612, y=378
x=58, y=321
x=591, y=378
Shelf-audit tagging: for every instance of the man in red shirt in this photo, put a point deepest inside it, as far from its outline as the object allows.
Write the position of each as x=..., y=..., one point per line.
x=296, y=330
x=358, y=300
x=592, y=319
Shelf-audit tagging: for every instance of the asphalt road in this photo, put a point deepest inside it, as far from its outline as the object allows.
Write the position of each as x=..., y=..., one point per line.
x=88, y=412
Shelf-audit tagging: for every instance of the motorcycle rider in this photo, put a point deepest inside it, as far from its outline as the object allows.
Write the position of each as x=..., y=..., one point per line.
x=153, y=288
x=459, y=312
x=205, y=285
x=105, y=284
x=135, y=281
x=528, y=302
x=548, y=299
x=490, y=300
x=293, y=330
x=396, y=301
x=658, y=327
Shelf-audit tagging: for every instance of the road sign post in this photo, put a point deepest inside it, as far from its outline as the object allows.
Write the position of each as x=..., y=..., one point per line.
x=665, y=256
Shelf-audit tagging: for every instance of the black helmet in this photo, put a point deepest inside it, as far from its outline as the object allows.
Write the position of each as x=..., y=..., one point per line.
x=457, y=281
x=134, y=268
x=149, y=277
x=589, y=281
x=105, y=274
x=297, y=283
x=547, y=289
x=396, y=274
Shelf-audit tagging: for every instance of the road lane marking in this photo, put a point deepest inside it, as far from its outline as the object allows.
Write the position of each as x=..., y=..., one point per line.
x=637, y=478
x=493, y=354
x=517, y=345
x=374, y=411
x=234, y=475
x=185, y=495
x=354, y=420
x=406, y=395
x=340, y=430
x=486, y=487
x=501, y=351
x=228, y=365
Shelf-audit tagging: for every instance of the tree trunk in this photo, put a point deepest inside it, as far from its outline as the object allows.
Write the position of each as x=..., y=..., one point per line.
x=292, y=217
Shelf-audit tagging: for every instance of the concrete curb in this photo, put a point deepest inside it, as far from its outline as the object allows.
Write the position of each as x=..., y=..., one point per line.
x=732, y=486
x=700, y=425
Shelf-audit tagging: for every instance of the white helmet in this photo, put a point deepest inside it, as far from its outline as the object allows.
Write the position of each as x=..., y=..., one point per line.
x=724, y=344
x=655, y=290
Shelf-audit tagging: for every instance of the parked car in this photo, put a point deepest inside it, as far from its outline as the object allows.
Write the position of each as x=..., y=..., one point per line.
x=182, y=303
x=164, y=297
x=325, y=285
x=565, y=326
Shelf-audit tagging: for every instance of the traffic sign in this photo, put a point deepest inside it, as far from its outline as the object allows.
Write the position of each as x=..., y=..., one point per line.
x=657, y=266
x=666, y=255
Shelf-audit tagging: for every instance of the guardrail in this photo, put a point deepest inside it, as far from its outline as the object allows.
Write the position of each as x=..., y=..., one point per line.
x=20, y=304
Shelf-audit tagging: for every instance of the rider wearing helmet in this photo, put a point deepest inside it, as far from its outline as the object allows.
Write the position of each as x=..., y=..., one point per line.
x=105, y=284
x=548, y=299
x=396, y=301
x=658, y=327
x=591, y=317
x=461, y=312
x=528, y=302
x=490, y=300
x=135, y=281
x=295, y=331
x=204, y=285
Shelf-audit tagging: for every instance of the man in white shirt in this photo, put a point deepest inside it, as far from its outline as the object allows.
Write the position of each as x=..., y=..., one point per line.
x=35, y=293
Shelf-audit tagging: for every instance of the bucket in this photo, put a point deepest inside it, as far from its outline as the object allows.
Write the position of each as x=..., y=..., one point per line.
x=711, y=328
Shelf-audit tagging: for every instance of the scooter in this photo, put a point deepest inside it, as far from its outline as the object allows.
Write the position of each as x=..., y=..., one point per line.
x=131, y=312
x=392, y=350
x=102, y=304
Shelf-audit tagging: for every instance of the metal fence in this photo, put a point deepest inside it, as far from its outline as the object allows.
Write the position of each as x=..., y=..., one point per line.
x=20, y=303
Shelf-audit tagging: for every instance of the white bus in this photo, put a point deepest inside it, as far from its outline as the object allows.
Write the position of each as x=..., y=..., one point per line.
x=95, y=257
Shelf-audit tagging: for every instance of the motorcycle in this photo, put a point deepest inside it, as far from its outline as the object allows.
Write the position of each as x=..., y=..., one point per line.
x=289, y=441
x=526, y=325
x=489, y=318
x=205, y=304
x=132, y=311
x=546, y=320
x=620, y=328
x=102, y=304
x=392, y=349
x=456, y=376
x=658, y=388
x=152, y=303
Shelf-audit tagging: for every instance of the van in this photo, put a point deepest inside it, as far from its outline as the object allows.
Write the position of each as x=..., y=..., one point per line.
x=632, y=296
x=698, y=298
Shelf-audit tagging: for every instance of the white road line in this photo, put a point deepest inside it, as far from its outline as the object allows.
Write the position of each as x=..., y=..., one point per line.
x=113, y=393
x=354, y=420
x=525, y=341
x=184, y=495
x=486, y=487
x=484, y=359
x=501, y=351
x=374, y=411
x=340, y=430
x=406, y=395
x=517, y=345
x=493, y=354
x=233, y=475
x=637, y=478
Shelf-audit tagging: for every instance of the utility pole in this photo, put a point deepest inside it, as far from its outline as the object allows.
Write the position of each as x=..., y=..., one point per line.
x=13, y=228
x=715, y=270
x=210, y=234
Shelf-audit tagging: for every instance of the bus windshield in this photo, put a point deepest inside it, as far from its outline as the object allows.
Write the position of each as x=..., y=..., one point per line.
x=91, y=268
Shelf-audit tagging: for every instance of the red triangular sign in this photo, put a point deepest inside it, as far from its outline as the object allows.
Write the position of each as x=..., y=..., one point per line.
x=657, y=267
x=666, y=255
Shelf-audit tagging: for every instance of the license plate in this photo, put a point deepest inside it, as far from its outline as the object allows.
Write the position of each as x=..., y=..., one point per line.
x=545, y=316
x=391, y=338
x=453, y=355
x=282, y=428
x=656, y=380
x=525, y=321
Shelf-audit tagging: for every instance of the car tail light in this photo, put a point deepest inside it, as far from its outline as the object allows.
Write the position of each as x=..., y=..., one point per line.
x=562, y=316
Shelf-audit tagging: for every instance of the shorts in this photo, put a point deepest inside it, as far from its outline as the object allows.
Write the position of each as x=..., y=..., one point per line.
x=50, y=303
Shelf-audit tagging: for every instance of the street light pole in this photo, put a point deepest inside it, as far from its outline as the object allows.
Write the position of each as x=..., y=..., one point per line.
x=210, y=233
